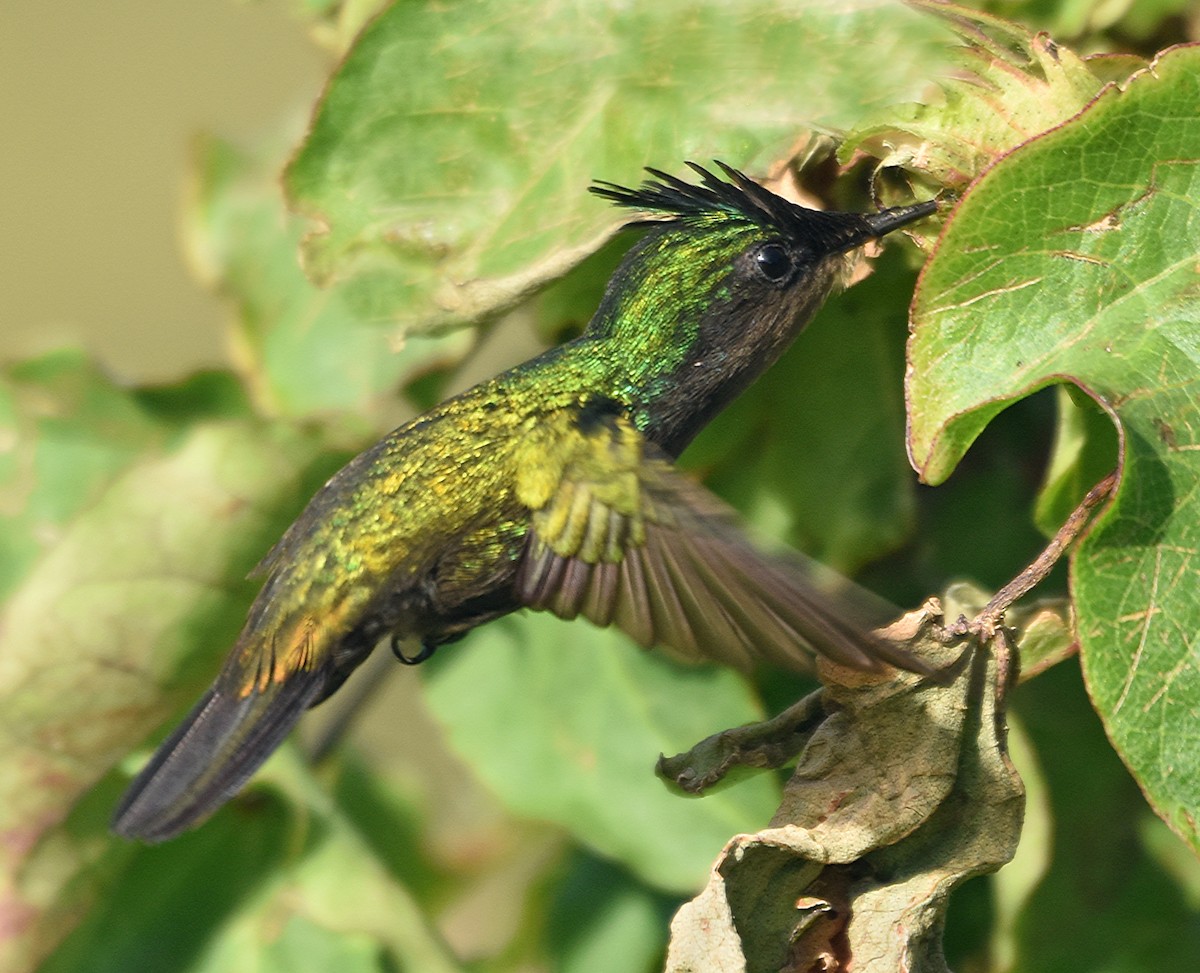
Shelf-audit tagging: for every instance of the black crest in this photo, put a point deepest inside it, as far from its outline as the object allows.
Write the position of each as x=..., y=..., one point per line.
x=741, y=196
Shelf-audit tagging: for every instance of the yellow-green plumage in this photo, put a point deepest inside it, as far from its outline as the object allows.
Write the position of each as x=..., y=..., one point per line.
x=551, y=487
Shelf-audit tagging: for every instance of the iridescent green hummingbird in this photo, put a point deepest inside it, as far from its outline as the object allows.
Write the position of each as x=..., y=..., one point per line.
x=551, y=486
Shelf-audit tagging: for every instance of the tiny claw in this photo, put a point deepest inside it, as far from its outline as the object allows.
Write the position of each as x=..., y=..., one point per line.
x=428, y=647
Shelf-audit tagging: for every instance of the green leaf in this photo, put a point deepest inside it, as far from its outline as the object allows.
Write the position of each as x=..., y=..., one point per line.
x=179, y=893
x=601, y=919
x=1074, y=259
x=564, y=722
x=1085, y=451
x=445, y=167
x=111, y=629
x=302, y=350
x=1113, y=898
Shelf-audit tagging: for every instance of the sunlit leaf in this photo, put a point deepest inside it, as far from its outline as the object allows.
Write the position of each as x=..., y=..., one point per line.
x=66, y=430
x=1011, y=85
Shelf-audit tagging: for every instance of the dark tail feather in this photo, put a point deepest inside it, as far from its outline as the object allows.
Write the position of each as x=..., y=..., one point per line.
x=210, y=756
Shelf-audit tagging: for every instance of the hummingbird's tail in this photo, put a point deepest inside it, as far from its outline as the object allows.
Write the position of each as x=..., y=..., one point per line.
x=211, y=754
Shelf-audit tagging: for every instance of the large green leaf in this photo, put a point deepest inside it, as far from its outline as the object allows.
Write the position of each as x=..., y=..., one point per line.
x=564, y=722
x=1074, y=259
x=446, y=164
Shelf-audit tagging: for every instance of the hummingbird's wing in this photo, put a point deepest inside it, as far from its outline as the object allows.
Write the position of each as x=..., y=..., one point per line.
x=622, y=537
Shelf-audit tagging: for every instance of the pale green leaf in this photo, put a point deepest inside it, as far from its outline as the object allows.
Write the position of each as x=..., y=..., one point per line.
x=66, y=430
x=1011, y=84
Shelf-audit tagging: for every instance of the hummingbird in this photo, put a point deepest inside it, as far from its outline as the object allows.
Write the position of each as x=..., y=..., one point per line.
x=551, y=486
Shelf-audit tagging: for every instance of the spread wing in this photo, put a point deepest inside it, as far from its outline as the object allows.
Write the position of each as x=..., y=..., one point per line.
x=623, y=538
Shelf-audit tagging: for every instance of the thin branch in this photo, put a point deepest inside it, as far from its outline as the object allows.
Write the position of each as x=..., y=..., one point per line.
x=987, y=622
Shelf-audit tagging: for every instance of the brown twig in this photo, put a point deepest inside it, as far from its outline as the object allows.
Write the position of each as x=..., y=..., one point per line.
x=985, y=624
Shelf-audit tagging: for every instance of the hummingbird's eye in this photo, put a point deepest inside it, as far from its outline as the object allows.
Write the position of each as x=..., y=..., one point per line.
x=773, y=262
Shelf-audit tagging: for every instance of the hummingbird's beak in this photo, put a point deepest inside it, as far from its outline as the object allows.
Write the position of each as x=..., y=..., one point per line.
x=844, y=232
x=880, y=224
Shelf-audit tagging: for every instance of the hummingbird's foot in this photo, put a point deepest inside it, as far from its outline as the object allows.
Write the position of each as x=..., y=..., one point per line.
x=428, y=647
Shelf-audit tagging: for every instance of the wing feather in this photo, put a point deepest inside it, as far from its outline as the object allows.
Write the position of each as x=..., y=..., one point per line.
x=626, y=539
x=633, y=614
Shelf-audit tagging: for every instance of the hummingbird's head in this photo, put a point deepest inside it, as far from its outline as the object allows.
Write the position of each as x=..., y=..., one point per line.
x=726, y=277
